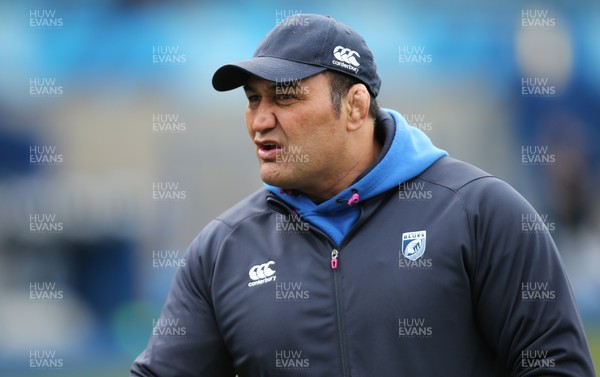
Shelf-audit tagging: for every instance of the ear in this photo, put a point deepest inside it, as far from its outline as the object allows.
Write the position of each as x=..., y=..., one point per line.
x=358, y=101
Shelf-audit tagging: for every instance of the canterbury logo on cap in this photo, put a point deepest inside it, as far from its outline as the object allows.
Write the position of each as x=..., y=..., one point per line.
x=346, y=55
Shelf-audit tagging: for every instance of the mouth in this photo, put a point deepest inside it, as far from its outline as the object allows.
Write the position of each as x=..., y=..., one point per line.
x=267, y=151
x=268, y=147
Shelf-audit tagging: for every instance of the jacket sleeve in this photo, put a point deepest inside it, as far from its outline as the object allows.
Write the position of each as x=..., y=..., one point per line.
x=522, y=300
x=186, y=341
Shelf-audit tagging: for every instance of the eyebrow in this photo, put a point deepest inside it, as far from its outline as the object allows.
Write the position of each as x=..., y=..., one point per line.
x=271, y=87
x=249, y=87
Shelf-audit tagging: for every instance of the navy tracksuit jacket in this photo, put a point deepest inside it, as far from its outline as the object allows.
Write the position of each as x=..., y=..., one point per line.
x=451, y=273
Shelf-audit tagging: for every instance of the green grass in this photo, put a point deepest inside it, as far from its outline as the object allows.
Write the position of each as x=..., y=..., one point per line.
x=593, y=336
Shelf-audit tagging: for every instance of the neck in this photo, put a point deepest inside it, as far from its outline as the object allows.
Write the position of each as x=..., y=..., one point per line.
x=357, y=164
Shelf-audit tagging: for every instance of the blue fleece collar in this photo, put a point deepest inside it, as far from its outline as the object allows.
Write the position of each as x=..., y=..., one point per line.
x=409, y=154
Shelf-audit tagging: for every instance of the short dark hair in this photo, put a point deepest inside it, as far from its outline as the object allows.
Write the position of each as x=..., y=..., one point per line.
x=339, y=84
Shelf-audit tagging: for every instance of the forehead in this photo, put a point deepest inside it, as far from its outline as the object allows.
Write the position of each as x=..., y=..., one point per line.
x=255, y=83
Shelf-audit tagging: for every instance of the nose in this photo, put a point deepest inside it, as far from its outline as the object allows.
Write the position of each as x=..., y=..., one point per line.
x=262, y=118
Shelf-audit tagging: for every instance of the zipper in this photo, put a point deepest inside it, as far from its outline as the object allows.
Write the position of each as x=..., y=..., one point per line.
x=337, y=284
x=338, y=298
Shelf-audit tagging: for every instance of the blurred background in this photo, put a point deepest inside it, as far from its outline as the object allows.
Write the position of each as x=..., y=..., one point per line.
x=115, y=150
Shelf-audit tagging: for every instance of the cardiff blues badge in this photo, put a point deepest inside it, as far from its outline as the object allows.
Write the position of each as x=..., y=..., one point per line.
x=413, y=244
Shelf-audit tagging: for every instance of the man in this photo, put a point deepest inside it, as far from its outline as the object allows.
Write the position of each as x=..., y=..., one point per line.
x=370, y=252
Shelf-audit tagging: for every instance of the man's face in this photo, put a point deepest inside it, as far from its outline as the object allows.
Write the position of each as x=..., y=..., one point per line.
x=300, y=143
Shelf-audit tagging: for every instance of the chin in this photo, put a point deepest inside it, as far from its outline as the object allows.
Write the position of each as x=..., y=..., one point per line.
x=274, y=176
x=274, y=181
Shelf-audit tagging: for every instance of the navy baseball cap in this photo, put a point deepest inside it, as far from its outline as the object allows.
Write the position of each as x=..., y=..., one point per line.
x=301, y=46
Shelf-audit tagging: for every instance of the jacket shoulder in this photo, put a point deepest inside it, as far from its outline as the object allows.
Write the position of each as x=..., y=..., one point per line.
x=452, y=173
x=251, y=205
x=479, y=191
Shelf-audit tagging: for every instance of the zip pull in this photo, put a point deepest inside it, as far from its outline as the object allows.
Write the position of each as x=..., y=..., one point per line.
x=334, y=260
x=354, y=198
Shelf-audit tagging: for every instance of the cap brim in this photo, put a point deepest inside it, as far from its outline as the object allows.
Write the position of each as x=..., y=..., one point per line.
x=234, y=75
